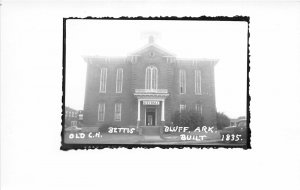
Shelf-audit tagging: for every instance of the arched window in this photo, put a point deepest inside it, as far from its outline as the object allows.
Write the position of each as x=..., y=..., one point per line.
x=151, y=78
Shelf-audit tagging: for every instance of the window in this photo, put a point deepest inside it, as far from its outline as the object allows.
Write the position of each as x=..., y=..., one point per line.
x=107, y=59
x=170, y=59
x=148, y=78
x=118, y=111
x=182, y=82
x=72, y=114
x=199, y=108
x=198, y=82
x=101, y=112
x=151, y=78
x=73, y=123
x=119, y=80
x=134, y=58
x=182, y=107
x=103, y=77
x=151, y=54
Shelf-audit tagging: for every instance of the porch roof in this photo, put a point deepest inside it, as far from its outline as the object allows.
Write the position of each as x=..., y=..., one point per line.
x=151, y=94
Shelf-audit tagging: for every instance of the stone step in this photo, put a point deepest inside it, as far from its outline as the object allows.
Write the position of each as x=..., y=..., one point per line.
x=150, y=130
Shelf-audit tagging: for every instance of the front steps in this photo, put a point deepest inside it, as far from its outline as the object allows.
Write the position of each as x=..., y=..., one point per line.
x=150, y=130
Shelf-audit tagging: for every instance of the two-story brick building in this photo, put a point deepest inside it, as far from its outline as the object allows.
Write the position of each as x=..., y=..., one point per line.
x=71, y=117
x=147, y=87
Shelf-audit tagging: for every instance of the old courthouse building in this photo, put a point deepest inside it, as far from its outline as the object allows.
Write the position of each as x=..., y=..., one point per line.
x=147, y=87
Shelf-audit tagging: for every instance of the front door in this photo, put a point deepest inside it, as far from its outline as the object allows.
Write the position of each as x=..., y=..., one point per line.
x=150, y=116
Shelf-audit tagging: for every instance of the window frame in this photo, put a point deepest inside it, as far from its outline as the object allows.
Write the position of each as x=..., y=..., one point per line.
x=196, y=108
x=182, y=107
x=103, y=80
x=73, y=123
x=116, y=118
x=198, y=81
x=182, y=81
x=151, y=82
x=119, y=80
x=103, y=112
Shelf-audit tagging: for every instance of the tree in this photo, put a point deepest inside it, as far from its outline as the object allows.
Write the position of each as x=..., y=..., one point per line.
x=189, y=118
x=222, y=121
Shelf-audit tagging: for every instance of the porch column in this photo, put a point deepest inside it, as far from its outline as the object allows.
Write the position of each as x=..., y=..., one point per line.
x=163, y=111
x=138, y=116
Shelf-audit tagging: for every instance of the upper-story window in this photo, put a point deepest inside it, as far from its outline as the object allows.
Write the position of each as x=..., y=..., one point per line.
x=107, y=59
x=101, y=112
x=103, y=79
x=182, y=82
x=151, y=78
x=198, y=82
x=170, y=59
x=134, y=58
x=119, y=80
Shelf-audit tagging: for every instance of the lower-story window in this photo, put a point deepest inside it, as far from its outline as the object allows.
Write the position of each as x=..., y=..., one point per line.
x=118, y=111
x=182, y=107
x=199, y=108
x=101, y=112
x=73, y=123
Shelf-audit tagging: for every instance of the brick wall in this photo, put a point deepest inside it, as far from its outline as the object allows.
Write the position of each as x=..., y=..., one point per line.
x=134, y=78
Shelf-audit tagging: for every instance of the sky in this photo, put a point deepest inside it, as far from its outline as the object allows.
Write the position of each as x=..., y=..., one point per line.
x=222, y=40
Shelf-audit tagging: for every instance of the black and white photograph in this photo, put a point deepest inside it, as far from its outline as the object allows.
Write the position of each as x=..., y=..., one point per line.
x=149, y=95
x=160, y=82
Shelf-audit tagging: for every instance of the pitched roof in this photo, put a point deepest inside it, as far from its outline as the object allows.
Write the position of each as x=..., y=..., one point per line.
x=152, y=46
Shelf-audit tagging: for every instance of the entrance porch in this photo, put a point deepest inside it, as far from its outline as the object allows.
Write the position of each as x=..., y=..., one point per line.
x=151, y=110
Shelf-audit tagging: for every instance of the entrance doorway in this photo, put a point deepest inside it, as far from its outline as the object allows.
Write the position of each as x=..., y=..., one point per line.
x=150, y=116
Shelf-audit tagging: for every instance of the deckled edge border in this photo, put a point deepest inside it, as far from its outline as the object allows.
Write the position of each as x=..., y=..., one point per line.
x=65, y=146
